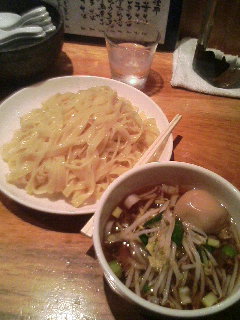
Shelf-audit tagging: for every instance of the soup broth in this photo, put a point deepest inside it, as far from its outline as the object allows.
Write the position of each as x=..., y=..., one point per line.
x=166, y=260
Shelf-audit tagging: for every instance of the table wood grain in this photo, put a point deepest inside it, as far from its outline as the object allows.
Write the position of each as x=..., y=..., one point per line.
x=48, y=270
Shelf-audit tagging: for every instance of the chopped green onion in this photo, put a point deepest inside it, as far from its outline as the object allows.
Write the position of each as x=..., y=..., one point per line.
x=209, y=248
x=178, y=232
x=153, y=220
x=209, y=300
x=184, y=294
x=117, y=212
x=144, y=239
x=229, y=251
x=116, y=268
x=203, y=256
x=215, y=243
x=146, y=288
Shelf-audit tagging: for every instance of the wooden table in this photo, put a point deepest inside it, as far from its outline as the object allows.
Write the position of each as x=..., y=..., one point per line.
x=47, y=268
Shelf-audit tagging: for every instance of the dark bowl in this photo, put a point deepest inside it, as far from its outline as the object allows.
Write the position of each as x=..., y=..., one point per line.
x=26, y=59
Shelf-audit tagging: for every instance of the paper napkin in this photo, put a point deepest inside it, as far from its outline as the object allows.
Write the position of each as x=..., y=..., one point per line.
x=184, y=76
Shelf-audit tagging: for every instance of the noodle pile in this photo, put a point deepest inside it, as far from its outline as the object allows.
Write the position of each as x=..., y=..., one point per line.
x=76, y=144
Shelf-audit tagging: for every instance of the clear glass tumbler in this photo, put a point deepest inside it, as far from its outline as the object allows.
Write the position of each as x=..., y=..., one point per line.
x=217, y=55
x=131, y=47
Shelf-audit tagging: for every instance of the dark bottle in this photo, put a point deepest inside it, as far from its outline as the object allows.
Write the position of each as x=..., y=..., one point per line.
x=216, y=57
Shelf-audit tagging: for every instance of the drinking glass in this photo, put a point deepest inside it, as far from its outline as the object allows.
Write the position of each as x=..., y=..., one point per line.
x=131, y=46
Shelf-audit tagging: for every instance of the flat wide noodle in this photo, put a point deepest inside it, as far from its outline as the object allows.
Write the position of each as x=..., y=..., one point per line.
x=76, y=144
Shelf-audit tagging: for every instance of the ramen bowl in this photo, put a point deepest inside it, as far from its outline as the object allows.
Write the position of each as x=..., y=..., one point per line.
x=170, y=173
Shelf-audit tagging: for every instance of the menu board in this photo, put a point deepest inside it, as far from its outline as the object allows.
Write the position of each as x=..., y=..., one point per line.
x=90, y=17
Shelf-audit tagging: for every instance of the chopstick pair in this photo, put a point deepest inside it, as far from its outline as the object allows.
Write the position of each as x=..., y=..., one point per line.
x=151, y=153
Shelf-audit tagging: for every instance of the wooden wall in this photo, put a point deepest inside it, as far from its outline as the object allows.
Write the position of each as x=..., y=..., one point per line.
x=227, y=30
x=190, y=22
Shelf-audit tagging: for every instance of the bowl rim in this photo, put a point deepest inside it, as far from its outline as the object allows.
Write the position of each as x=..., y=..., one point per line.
x=118, y=284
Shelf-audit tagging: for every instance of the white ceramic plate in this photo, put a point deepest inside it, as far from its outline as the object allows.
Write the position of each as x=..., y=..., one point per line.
x=30, y=98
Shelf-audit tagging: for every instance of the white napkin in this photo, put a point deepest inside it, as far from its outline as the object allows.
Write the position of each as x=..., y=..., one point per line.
x=184, y=75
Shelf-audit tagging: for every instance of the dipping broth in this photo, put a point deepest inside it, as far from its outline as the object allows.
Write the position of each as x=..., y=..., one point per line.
x=165, y=253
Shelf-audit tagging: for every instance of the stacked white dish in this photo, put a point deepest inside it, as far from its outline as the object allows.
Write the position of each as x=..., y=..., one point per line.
x=33, y=24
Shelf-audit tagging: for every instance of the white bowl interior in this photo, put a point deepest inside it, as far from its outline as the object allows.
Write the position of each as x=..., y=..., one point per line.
x=169, y=173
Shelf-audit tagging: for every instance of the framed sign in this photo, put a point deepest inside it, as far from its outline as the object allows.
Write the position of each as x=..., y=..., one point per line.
x=90, y=17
